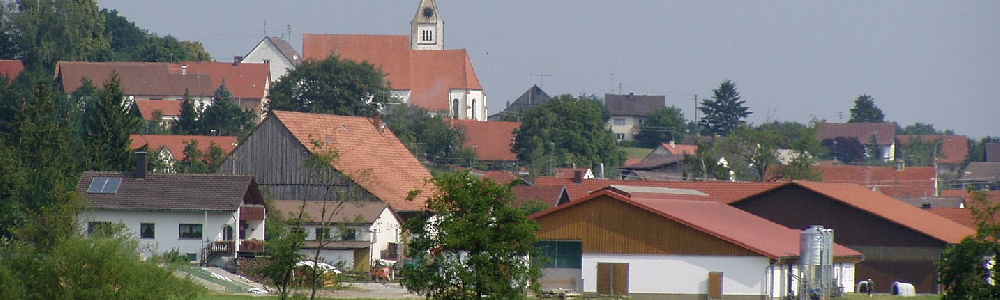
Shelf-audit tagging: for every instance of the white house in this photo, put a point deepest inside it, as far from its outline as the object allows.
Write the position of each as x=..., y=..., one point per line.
x=628, y=113
x=276, y=52
x=208, y=218
x=649, y=244
x=357, y=233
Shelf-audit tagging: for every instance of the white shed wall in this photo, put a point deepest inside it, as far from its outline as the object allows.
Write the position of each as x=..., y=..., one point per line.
x=674, y=274
x=166, y=227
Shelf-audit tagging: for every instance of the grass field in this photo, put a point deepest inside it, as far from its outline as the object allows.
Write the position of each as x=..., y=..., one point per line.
x=632, y=152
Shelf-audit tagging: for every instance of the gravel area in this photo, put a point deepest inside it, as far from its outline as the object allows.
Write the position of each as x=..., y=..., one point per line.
x=391, y=290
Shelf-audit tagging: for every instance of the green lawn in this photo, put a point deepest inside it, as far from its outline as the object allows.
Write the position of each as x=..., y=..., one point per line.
x=633, y=152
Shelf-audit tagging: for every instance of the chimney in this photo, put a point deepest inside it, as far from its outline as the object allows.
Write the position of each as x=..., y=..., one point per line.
x=631, y=95
x=377, y=121
x=140, y=164
x=184, y=70
x=672, y=145
x=236, y=60
x=900, y=165
x=577, y=176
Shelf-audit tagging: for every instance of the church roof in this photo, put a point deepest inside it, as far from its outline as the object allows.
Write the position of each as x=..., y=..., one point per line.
x=429, y=75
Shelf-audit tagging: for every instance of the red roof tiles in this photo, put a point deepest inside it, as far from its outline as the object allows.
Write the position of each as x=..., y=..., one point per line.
x=176, y=143
x=717, y=219
x=245, y=81
x=910, y=182
x=166, y=107
x=373, y=157
x=429, y=75
x=958, y=215
x=137, y=78
x=724, y=191
x=885, y=132
x=491, y=140
x=10, y=68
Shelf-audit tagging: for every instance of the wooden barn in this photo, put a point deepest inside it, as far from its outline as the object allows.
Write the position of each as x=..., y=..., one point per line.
x=648, y=244
x=900, y=242
x=303, y=156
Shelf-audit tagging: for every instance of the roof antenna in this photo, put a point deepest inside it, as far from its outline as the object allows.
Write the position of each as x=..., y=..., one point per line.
x=265, y=28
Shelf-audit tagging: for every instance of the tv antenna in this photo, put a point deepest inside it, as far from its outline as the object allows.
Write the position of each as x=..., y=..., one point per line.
x=541, y=78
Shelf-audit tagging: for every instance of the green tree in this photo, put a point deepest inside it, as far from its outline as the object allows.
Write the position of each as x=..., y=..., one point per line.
x=161, y=49
x=565, y=131
x=865, y=111
x=750, y=152
x=662, y=124
x=109, y=122
x=195, y=51
x=187, y=122
x=429, y=137
x=197, y=162
x=724, y=112
x=53, y=30
x=964, y=269
x=224, y=117
x=332, y=86
x=476, y=244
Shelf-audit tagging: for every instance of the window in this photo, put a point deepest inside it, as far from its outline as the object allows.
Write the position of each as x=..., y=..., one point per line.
x=562, y=254
x=620, y=136
x=192, y=256
x=227, y=232
x=349, y=234
x=323, y=232
x=473, y=109
x=147, y=230
x=454, y=108
x=189, y=231
x=427, y=35
x=619, y=121
x=104, y=185
x=98, y=227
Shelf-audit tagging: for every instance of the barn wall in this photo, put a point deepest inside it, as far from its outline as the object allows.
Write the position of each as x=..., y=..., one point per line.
x=682, y=275
x=892, y=251
x=607, y=225
x=278, y=162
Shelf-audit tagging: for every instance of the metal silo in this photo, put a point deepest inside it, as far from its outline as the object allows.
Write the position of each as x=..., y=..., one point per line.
x=816, y=260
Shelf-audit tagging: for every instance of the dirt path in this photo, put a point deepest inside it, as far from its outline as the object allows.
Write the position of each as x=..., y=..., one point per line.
x=390, y=290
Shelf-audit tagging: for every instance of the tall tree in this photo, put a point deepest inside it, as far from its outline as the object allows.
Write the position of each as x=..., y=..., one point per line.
x=865, y=111
x=724, y=112
x=225, y=117
x=968, y=269
x=187, y=122
x=109, y=122
x=474, y=246
x=332, y=86
x=53, y=30
x=662, y=124
x=750, y=152
x=565, y=131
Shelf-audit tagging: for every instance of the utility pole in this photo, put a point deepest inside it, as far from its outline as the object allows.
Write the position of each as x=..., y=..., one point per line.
x=696, y=131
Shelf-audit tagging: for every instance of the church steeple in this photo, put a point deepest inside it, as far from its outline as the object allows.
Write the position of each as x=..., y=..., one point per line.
x=427, y=28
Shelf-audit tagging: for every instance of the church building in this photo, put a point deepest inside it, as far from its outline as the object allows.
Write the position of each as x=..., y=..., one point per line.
x=418, y=67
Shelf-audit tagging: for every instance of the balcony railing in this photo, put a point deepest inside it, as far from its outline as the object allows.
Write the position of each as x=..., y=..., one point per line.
x=229, y=247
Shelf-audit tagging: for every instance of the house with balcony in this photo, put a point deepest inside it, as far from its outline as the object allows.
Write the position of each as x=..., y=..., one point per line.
x=352, y=234
x=212, y=219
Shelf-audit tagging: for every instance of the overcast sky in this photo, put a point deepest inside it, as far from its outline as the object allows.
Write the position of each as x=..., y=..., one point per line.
x=934, y=62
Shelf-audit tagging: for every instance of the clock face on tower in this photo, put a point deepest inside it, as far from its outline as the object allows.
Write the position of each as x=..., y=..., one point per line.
x=428, y=12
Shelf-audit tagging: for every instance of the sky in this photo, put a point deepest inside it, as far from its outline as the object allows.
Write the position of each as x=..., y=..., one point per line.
x=935, y=62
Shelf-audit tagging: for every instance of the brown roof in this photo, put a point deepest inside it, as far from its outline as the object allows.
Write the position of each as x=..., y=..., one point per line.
x=886, y=132
x=988, y=171
x=501, y=177
x=137, y=78
x=185, y=192
x=679, y=149
x=176, y=143
x=10, y=68
x=429, y=75
x=958, y=215
x=245, y=81
x=550, y=195
x=491, y=140
x=910, y=182
x=991, y=152
x=633, y=105
x=654, y=161
x=373, y=157
x=717, y=219
x=954, y=148
x=353, y=212
x=891, y=209
x=724, y=191
x=166, y=107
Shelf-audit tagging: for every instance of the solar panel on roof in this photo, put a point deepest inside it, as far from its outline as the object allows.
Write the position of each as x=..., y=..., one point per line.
x=104, y=185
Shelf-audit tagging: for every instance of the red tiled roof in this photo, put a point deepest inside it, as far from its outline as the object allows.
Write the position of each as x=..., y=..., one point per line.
x=11, y=68
x=501, y=177
x=958, y=215
x=167, y=107
x=910, y=182
x=176, y=143
x=245, y=81
x=429, y=75
x=491, y=140
x=954, y=148
x=886, y=132
x=891, y=209
x=137, y=78
x=724, y=191
x=374, y=158
x=336, y=212
x=571, y=172
x=680, y=149
x=717, y=219
x=547, y=194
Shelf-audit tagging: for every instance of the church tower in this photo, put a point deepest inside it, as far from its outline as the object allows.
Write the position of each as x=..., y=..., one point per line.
x=427, y=28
